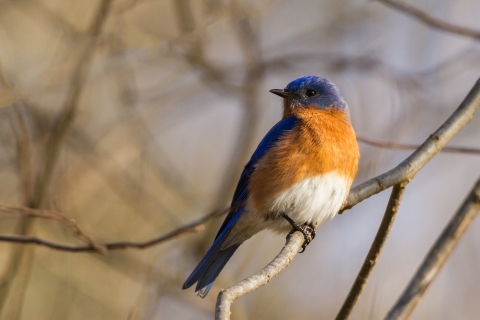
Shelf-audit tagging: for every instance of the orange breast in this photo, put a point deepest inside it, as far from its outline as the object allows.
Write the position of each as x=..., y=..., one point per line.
x=323, y=141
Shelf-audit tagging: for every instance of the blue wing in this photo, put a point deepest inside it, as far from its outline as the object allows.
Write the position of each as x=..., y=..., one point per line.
x=216, y=258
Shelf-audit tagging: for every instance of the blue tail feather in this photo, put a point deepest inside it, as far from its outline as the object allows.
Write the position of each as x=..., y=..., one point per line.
x=206, y=281
x=214, y=260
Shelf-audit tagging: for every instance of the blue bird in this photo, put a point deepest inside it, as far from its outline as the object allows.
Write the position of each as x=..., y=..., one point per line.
x=299, y=175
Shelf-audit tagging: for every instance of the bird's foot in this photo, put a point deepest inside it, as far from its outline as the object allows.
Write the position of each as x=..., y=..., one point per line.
x=313, y=233
x=308, y=230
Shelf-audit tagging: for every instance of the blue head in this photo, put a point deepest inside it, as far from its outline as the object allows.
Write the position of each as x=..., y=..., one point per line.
x=311, y=91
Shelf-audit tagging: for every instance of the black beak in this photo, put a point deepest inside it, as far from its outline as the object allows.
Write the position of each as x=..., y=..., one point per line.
x=283, y=93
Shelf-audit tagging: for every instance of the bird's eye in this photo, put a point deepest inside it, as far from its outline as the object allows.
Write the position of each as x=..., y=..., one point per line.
x=310, y=93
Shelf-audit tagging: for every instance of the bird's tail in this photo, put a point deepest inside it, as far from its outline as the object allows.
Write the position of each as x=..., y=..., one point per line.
x=210, y=267
x=215, y=259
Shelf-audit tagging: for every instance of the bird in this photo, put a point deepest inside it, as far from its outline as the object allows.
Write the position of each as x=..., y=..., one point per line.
x=299, y=175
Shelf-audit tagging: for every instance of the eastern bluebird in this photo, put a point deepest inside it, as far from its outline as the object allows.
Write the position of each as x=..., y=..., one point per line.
x=299, y=175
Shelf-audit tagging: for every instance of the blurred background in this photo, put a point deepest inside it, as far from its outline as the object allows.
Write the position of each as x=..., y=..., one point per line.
x=135, y=117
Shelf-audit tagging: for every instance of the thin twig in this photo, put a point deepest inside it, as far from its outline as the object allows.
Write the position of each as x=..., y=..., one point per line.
x=432, y=21
x=437, y=256
x=408, y=168
x=261, y=278
x=374, y=252
x=404, y=146
x=58, y=216
x=189, y=228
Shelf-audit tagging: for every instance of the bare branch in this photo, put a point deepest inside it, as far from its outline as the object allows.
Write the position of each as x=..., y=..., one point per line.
x=58, y=216
x=437, y=256
x=374, y=252
x=408, y=168
x=403, y=146
x=190, y=228
x=432, y=21
x=261, y=278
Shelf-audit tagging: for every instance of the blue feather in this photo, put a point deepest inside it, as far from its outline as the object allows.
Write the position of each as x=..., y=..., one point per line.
x=270, y=139
x=217, y=257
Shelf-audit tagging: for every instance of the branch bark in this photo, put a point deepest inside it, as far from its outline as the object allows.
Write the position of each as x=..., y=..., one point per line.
x=405, y=146
x=437, y=256
x=261, y=278
x=374, y=252
x=408, y=168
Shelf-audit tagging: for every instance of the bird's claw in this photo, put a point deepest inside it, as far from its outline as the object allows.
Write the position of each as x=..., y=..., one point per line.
x=308, y=234
x=313, y=233
x=308, y=231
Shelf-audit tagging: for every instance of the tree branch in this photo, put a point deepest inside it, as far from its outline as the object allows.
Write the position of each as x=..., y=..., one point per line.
x=58, y=216
x=374, y=252
x=261, y=278
x=192, y=227
x=437, y=256
x=432, y=21
x=404, y=146
x=408, y=168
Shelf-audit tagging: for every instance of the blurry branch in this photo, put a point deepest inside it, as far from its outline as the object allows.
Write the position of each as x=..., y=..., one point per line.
x=432, y=21
x=189, y=228
x=58, y=216
x=254, y=70
x=261, y=278
x=408, y=168
x=24, y=148
x=113, y=173
x=21, y=259
x=37, y=9
x=24, y=163
x=374, y=252
x=124, y=6
x=7, y=97
x=68, y=112
x=437, y=256
x=402, y=174
x=195, y=54
x=397, y=177
x=403, y=146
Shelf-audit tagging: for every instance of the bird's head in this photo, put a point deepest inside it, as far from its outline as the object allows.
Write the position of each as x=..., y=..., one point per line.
x=311, y=92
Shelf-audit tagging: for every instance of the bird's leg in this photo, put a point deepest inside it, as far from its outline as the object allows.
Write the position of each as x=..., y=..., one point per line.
x=308, y=231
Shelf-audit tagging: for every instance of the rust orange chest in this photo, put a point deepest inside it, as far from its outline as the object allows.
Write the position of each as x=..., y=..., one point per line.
x=322, y=142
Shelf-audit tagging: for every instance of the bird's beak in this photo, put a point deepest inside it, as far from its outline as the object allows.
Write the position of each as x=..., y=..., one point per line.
x=283, y=93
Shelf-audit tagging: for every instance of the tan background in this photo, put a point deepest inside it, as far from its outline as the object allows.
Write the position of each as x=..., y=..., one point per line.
x=174, y=100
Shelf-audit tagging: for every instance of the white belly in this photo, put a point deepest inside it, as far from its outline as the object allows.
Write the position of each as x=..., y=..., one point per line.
x=312, y=200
